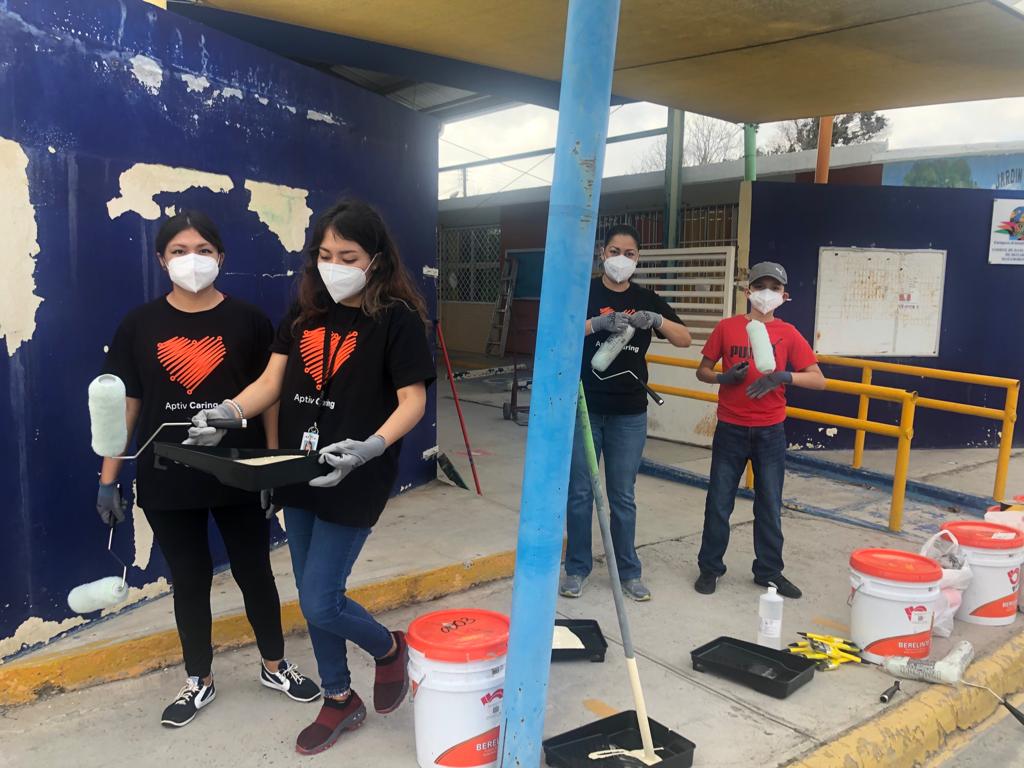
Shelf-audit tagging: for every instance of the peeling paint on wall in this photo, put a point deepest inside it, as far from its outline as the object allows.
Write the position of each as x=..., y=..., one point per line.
x=233, y=93
x=143, y=181
x=263, y=100
x=34, y=631
x=18, y=299
x=148, y=72
x=138, y=594
x=196, y=84
x=320, y=117
x=283, y=209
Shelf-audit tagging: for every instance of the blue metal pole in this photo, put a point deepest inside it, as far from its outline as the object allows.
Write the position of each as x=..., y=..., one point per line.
x=572, y=220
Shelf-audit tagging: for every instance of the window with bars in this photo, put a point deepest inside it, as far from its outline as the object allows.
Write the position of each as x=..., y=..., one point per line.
x=469, y=262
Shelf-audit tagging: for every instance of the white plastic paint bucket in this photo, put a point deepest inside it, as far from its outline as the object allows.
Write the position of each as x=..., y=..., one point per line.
x=995, y=553
x=457, y=670
x=1013, y=516
x=892, y=601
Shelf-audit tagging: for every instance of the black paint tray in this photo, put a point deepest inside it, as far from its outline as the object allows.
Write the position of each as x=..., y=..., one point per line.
x=223, y=463
x=766, y=670
x=571, y=749
x=589, y=632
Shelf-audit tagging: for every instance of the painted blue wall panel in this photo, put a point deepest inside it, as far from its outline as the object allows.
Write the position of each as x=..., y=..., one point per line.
x=69, y=98
x=981, y=306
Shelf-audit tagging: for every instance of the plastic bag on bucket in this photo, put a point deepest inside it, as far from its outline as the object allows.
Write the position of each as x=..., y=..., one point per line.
x=944, y=548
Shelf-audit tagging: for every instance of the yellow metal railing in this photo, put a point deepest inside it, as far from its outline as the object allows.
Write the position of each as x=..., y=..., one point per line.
x=902, y=432
x=1007, y=416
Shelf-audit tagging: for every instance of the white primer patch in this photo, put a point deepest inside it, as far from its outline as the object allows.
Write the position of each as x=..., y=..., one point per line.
x=141, y=531
x=196, y=84
x=51, y=150
x=34, y=631
x=18, y=299
x=143, y=181
x=234, y=93
x=138, y=594
x=148, y=72
x=283, y=209
x=320, y=117
x=263, y=100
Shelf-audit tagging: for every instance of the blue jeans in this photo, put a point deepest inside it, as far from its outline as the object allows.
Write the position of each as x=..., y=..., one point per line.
x=733, y=445
x=322, y=558
x=621, y=439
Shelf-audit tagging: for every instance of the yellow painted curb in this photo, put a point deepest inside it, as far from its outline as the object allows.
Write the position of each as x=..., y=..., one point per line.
x=25, y=680
x=904, y=737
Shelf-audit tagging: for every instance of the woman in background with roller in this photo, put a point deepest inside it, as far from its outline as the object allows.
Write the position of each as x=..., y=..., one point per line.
x=617, y=402
x=191, y=347
x=350, y=366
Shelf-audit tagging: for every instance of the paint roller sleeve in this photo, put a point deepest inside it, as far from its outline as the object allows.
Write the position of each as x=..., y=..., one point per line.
x=178, y=363
x=107, y=415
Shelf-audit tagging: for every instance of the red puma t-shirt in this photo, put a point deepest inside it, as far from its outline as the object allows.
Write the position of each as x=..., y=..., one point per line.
x=730, y=344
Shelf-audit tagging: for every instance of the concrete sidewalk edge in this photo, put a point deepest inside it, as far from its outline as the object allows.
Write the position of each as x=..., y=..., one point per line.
x=28, y=679
x=909, y=734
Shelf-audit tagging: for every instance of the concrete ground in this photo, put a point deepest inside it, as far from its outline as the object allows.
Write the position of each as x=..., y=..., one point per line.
x=117, y=724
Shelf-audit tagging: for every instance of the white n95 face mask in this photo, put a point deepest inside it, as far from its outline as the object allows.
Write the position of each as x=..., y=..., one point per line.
x=619, y=268
x=766, y=301
x=192, y=271
x=342, y=281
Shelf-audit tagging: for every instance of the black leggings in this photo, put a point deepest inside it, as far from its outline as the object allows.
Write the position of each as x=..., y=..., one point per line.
x=182, y=536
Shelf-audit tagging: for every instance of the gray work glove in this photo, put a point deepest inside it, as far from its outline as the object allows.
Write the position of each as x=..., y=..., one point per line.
x=734, y=375
x=645, y=320
x=200, y=434
x=613, y=323
x=767, y=383
x=267, y=503
x=109, y=504
x=346, y=456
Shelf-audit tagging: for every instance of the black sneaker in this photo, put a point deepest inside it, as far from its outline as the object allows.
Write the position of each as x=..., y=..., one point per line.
x=193, y=697
x=287, y=679
x=706, y=583
x=783, y=586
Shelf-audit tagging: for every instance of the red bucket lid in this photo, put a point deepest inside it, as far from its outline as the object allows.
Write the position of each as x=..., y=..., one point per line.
x=895, y=565
x=983, y=535
x=460, y=635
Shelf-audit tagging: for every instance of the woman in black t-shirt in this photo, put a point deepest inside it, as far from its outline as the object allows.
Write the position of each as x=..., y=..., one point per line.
x=350, y=366
x=191, y=347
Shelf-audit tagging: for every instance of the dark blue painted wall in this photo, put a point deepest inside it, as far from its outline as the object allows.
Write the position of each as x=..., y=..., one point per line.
x=68, y=96
x=981, y=310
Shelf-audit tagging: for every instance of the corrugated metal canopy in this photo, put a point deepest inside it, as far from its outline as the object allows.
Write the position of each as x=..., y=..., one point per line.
x=741, y=60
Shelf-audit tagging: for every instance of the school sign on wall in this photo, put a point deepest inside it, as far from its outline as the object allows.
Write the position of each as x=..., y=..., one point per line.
x=1006, y=241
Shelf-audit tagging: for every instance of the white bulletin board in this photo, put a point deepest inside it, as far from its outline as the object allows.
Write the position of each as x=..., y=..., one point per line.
x=876, y=302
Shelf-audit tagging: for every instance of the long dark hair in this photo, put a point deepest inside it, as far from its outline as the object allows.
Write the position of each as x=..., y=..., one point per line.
x=388, y=281
x=178, y=223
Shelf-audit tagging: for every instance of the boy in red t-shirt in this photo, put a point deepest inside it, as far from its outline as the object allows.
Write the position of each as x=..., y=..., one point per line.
x=751, y=426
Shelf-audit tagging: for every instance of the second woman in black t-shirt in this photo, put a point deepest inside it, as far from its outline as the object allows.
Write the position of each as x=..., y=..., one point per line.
x=350, y=366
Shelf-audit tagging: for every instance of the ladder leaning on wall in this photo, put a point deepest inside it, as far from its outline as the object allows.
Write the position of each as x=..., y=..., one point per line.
x=501, y=319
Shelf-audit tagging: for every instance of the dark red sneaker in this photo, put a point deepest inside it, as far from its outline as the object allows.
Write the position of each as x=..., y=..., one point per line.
x=334, y=719
x=391, y=682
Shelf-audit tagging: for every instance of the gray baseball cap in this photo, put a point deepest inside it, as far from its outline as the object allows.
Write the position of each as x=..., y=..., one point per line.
x=767, y=269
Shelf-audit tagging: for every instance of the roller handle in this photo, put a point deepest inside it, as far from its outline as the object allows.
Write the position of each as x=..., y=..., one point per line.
x=889, y=692
x=1017, y=714
x=227, y=423
x=654, y=395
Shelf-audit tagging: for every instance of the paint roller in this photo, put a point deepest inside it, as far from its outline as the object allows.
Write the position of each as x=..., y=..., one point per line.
x=103, y=593
x=761, y=346
x=107, y=403
x=606, y=353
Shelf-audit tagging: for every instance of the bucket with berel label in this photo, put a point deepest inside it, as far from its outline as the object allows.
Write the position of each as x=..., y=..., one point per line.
x=995, y=553
x=892, y=602
x=457, y=672
x=1013, y=516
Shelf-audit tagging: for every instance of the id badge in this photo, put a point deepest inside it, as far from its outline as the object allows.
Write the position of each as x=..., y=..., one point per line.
x=310, y=439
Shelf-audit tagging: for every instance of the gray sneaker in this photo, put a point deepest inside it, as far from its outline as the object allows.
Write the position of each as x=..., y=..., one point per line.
x=571, y=586
x=635, y=589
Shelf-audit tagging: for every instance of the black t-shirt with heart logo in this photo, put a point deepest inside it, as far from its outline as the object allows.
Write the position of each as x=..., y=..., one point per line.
x=178, y=363
x=369, y=359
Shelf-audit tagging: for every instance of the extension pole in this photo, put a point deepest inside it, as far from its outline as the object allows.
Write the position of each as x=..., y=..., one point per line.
x=589, y=56
x=458, y=407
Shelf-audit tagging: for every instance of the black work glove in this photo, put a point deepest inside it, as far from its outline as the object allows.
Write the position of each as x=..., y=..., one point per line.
x=109, y=504
x=767, y=383
x=734, y=375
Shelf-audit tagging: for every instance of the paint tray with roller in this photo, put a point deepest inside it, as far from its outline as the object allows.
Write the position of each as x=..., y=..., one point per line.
x=578, y=639
x=246, y=468
x=606, y=743
x=766, y=670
